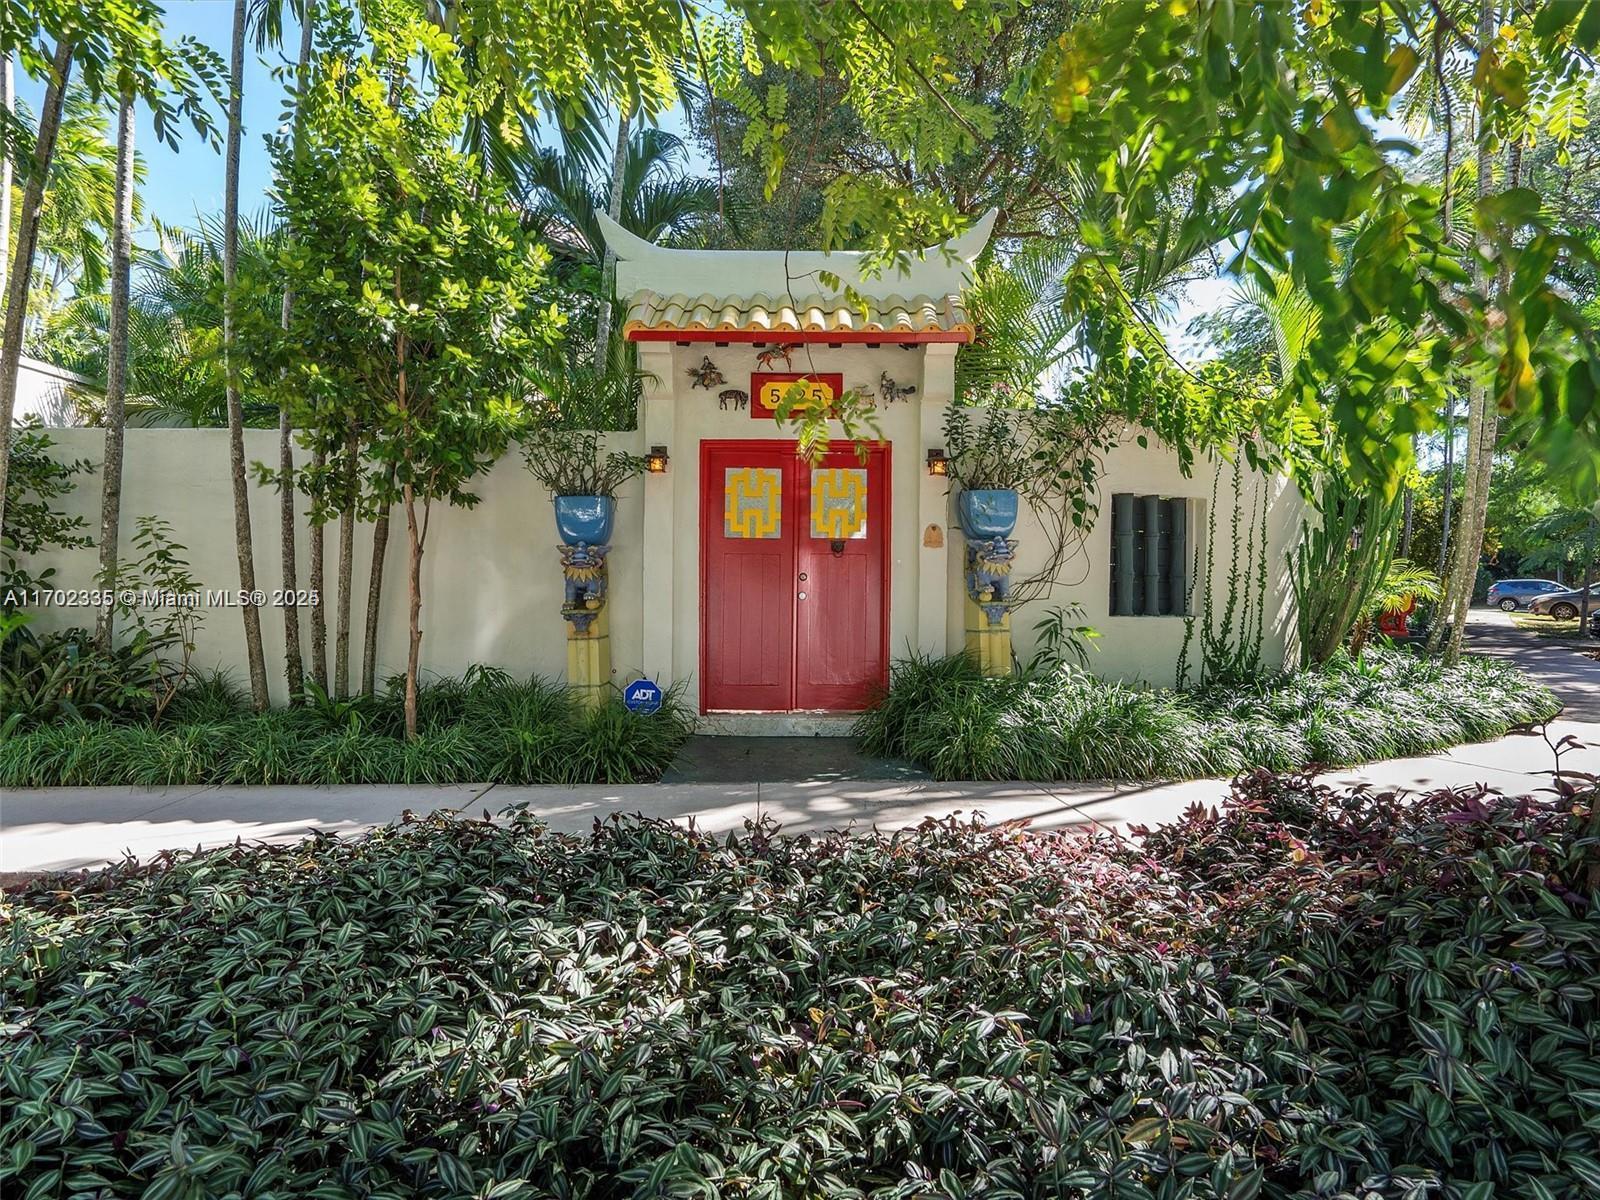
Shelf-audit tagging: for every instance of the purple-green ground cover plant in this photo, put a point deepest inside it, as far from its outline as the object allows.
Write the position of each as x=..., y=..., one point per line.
x=1311, y=993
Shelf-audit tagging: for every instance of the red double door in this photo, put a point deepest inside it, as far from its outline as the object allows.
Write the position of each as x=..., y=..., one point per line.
x=793, y=582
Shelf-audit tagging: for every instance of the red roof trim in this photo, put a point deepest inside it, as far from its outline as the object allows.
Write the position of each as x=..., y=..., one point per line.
x=897, y=337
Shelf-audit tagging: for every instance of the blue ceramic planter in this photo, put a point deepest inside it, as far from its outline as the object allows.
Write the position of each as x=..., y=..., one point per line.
x=585, y=520
x=987, y=513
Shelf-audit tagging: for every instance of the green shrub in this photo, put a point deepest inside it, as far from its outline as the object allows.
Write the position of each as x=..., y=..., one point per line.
x=1311, y=995
x=1062, y=723
x=483, y=728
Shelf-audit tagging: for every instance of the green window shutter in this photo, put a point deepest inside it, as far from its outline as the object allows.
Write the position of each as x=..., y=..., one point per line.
x=1154, y=556
x=1124, y=555
x=1178, y=556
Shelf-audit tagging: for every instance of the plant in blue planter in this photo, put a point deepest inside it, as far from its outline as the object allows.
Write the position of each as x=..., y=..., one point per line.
x=989, y=460
x=582, y=480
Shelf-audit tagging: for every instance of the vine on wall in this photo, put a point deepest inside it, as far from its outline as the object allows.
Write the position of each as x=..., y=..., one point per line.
x=1231, y=641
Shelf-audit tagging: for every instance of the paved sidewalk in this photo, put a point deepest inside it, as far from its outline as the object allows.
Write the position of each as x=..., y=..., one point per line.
x=61, y=828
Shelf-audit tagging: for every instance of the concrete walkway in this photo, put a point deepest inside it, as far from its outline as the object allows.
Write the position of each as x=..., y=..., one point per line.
x=62, y=828
x=59, y=828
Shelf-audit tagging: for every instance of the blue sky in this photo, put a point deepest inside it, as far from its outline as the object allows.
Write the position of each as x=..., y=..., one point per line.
x=188, y=179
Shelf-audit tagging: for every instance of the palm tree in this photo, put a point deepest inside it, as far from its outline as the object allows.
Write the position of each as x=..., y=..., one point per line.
x=117, y=360
x=174, y=362
x=21, y=274
x=1482, y=427
x=608, y=269
x=658, y=199
x=230, y=261
x=7, y=111
x=648, y=192
x=80, y=200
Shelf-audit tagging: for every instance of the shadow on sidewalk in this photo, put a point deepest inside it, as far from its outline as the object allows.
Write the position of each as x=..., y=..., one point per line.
x=705, y=759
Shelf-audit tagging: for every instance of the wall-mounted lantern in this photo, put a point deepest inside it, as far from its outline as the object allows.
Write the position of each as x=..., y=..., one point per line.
x=656, y=461
x=938, y=464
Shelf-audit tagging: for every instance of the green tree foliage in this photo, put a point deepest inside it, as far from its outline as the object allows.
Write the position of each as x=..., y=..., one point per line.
x=1253, y=117
x=419, y=299
x=117, y=48
x=810, y=126
x=175, y=375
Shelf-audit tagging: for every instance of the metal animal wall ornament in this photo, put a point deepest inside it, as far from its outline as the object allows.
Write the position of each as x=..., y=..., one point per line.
x=772, y=354
x=889, y=391
x=706, y=374
x=740, y=399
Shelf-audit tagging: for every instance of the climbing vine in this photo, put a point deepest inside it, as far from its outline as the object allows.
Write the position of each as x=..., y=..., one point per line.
x=1231, y=641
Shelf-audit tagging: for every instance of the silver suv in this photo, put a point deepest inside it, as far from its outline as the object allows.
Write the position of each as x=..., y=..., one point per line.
x=1508, y=595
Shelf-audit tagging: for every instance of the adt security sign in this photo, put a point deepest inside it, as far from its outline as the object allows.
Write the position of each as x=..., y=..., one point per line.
x=642, y=696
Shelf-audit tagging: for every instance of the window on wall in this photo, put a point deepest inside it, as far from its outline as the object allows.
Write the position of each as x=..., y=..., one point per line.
x=1150, y=555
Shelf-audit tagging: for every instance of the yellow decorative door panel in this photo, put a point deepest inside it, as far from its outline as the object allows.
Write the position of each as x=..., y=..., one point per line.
x=839, y=503
x=752, y=502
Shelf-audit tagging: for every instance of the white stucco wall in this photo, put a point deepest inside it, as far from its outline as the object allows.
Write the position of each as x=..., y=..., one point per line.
x=491, y=576
x=45, y=394
x=1146, y=649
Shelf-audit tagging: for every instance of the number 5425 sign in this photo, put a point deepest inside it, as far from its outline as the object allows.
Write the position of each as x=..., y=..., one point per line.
x=768, y=390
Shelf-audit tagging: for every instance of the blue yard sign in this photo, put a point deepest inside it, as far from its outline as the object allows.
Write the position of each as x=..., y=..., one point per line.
x=642, y=696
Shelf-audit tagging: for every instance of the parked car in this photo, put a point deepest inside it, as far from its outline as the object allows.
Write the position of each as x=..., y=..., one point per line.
x=1508, y=595
x=1564, y=605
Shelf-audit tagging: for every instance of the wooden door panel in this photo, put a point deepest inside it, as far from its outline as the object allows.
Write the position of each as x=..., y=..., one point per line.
x=840, y=625
x=747, y=598
x=767, y=518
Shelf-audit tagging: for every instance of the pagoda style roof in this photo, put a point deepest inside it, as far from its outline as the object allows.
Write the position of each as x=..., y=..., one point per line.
x=689, y=295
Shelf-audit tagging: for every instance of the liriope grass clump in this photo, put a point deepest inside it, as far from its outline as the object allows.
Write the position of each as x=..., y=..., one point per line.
x=1310, y=994
x=1063, y=723
x=484, y=728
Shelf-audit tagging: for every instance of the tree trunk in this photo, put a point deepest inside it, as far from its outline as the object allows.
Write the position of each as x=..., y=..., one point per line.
x=116, y=365
x=1448, y=486
x=1588, y=580
x=7, y=107
x=415, y=538
x=293, y=664
x=369, y=645
x=1408, y=511
x=347, y=548
x=608, y=264
x=230, y=333
x=21, y=274
x=1482, y=418
x=318, y=584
